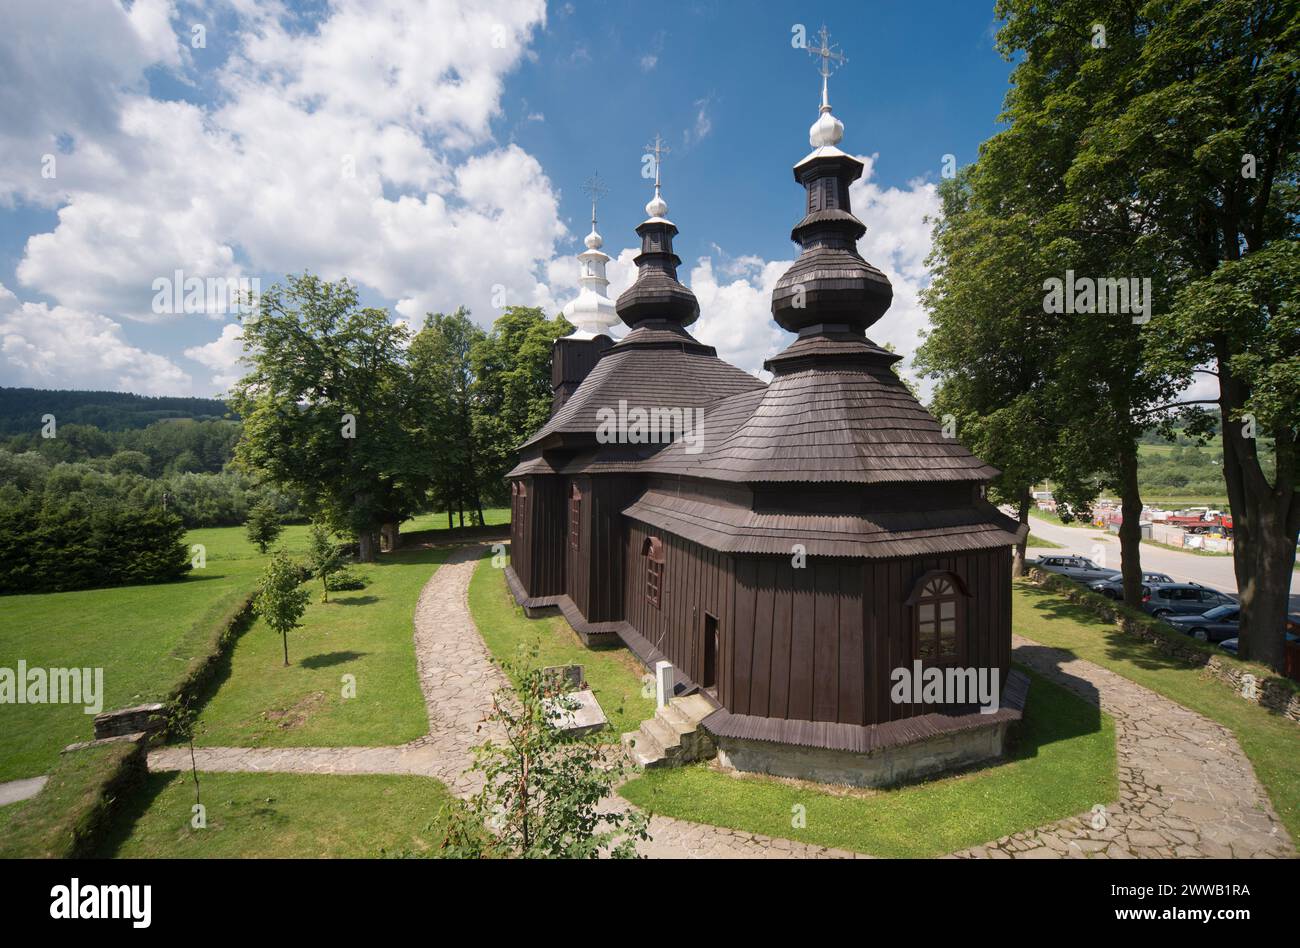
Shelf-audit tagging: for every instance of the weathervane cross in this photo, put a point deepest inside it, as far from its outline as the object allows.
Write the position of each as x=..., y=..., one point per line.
x=595, y=189
x=828, y=53
x=659, y=149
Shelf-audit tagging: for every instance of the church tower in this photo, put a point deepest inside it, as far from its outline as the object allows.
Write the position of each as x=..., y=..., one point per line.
x=591, y=312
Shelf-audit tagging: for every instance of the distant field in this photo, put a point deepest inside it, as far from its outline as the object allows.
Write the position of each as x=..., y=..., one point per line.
x=492, y=517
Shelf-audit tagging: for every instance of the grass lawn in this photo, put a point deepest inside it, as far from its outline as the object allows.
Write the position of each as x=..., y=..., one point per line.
x=1032, y=540
x=280, y=816
x=1269, y=740
x=614, y=674
x=492, y=517
x=141, y=636
x=1062, y=763
x=366, y=633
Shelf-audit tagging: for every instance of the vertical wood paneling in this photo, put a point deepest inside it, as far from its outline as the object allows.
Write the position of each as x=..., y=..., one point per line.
x=802, y=638
x=742, y=650
x=852, y=671
x=760, y=675
x=826, y=644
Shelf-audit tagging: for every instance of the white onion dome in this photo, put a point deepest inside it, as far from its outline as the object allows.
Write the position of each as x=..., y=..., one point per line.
x=827, y=130
x=657, y=207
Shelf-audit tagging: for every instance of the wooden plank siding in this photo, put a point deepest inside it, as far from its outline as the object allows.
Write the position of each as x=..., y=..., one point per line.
x=539, y=535
x=816, y=643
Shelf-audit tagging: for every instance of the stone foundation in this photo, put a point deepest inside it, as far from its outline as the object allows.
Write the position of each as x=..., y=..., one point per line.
x=882, y=768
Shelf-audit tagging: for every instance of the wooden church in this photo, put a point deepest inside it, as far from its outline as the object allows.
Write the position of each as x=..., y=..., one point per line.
x=796, y=542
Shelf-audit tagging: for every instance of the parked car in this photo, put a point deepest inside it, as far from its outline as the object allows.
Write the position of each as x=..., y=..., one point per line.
x=1078, y=568
x=1113, y=586
x=1231, y=644
x=1181, y=599
x=1218, y=624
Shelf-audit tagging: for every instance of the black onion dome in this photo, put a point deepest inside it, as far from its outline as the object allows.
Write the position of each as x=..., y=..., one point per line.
x=657, y=294
x=830, y=283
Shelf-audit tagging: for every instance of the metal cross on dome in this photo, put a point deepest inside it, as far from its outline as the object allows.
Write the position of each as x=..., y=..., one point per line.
x=660, y=149
x=595, y=189
x=828, y=53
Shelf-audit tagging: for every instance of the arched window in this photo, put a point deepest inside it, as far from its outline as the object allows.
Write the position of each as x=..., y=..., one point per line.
x=653, y=551
x=575, y=516
x=938, y=618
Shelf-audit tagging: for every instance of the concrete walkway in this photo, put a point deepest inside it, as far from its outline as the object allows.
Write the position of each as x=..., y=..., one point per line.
x=1186, y=787
x=14, y=791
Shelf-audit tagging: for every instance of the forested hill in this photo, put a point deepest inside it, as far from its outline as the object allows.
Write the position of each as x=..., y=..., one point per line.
x=21, y=409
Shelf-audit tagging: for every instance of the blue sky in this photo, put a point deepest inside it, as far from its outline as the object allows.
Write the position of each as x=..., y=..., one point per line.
x=468, y=130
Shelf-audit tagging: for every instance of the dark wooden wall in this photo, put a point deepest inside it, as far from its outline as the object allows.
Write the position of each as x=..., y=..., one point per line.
x=696, y=580
x=817, y=643
x=799, y=644
x=603, y=544
x=987, y=574
x=537, y=539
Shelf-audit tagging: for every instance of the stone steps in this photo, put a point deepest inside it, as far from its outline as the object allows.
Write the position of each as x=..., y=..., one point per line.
x=673, y=736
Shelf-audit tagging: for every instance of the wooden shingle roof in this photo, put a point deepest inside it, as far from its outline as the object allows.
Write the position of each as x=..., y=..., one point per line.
x=843, y=419
x=733, y=528
x=657, y=365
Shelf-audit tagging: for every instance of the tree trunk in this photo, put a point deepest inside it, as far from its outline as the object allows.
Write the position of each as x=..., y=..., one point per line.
x=366, y=545
x=1018, y=551
x=1265, y=521
x=1266, y=594
x=285, y=637
x=389, y=537
x=1130, y=528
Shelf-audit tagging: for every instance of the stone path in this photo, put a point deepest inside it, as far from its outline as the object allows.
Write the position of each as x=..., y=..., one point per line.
x=1186, y=789
x=12, y=791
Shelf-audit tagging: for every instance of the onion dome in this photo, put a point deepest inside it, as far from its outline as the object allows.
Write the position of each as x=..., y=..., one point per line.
x=657, y=294
x=829, y=287
x=592, y=312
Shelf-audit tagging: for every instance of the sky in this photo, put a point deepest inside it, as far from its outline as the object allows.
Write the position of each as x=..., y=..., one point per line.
x=434, y=152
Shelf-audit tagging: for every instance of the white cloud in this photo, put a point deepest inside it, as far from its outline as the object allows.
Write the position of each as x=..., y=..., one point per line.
x=703, y=122
x=648, y=62
x=44, y=346
x=736, y=315
x=223, y=356
x=362, y=147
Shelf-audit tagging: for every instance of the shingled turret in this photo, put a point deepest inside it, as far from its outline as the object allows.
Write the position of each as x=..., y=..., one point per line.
x=657, y=295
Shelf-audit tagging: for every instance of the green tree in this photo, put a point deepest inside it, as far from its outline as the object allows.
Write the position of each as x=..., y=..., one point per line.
x=327, y=410
x=324, y=557
x=264, y=526
x=442, y=384
x=280, y=599
x=512, y=389
x=1186, y=157
x=542, y=787
x=991, y=343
